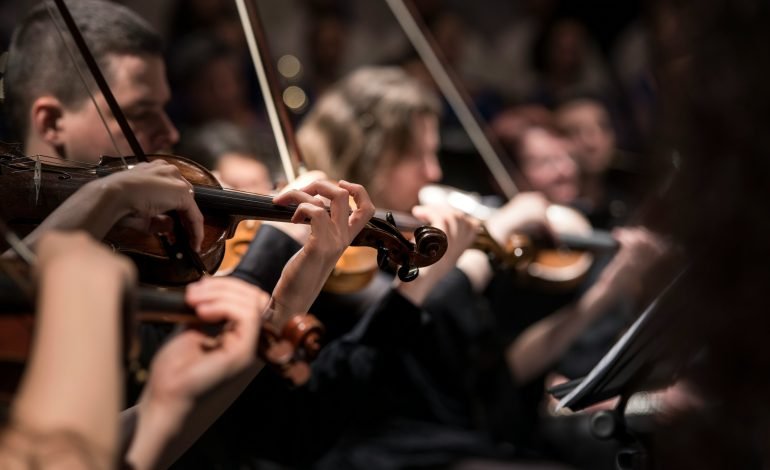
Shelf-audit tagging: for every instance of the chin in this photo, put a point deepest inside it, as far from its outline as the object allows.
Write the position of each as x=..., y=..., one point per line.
x=564, y=196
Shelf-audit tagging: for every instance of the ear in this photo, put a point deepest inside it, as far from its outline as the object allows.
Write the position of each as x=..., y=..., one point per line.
x=45, y=115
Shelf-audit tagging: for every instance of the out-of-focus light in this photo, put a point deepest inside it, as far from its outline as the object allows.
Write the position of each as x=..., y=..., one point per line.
x=295, y=98
x=289, y=66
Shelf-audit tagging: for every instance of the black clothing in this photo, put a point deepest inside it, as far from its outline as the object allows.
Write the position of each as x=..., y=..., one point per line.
x=398, y=365
x=268, y=253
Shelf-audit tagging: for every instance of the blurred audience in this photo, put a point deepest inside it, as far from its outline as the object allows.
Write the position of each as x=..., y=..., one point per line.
x=231, y=153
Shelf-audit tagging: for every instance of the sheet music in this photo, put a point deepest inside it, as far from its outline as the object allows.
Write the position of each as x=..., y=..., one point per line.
x=600, y=369
x=614, y=355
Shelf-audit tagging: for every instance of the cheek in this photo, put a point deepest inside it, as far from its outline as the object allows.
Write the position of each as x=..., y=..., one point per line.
x=397, y=189
x=406, y=180
x=539, y=178
x=145, y=129
x=89, y=144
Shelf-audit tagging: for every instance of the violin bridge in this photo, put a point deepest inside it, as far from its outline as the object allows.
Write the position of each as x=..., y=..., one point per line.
x=37, y=178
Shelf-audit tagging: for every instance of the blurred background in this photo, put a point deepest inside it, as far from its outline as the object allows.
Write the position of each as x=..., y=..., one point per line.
x=514, y=57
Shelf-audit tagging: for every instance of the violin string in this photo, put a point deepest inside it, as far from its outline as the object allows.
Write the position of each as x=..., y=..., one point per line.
x=30, y=164
x=58, y=161
x=244, y=200
x=232, y=199
x=83, y=80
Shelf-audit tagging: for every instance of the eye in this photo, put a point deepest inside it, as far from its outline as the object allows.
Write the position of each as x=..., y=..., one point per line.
x=140, y=116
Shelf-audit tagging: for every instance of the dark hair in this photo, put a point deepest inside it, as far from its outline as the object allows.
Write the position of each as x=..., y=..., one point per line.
x=208, y=143
x=39, y=62
x=192, y=54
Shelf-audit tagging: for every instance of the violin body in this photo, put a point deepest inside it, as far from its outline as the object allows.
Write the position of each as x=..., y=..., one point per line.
x=558, y=269
x=33, y=189
x=237, y=246
x=537, y=262
x=148, y=252
x=354, y=271
x=288, y=350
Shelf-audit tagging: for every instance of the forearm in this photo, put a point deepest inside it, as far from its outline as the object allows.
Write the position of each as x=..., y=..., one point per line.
x=95, y=208
x=543, y=343
x=59, y=392
x=302, y=280
x=159, y=433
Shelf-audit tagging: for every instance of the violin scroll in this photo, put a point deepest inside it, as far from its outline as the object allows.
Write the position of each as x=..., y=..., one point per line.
x=290, y=351
x=396, y=252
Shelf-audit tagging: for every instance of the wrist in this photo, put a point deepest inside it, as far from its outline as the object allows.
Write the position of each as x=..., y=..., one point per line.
x=301, y=281
x=298, y=232
x=477, y=267
x=497, y=232
x=158, y=421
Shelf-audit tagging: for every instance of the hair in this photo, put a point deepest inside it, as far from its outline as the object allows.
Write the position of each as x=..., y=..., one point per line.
x=364, y=123
x=208, y=143
x=194, y=53
x=39, y=62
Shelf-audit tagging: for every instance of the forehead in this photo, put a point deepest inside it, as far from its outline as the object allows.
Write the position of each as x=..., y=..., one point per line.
x=538, y=142
x=138, y=79
x=582, y=112
x=240, y=162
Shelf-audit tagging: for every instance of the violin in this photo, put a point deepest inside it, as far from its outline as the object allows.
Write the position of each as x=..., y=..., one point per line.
x=30, y=198
x=237, y=246
x=538, y=262
x=36, y=187
x=359, y=263
x=553, y=265
x=288, y=350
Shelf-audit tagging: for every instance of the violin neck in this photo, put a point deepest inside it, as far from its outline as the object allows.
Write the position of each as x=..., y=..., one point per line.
x=242, y=205
x=596, y=241
x=404, y=222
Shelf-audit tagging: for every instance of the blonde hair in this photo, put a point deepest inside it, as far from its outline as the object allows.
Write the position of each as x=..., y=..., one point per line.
x=363, y=124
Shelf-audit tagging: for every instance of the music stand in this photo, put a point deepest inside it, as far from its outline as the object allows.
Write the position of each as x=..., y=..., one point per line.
x=633, y=364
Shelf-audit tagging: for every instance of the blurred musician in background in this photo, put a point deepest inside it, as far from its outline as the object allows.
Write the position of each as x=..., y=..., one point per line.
x=380, y=126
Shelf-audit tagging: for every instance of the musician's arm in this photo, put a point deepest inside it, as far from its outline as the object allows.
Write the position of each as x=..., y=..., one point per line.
x=70, y=394
x=540, y=345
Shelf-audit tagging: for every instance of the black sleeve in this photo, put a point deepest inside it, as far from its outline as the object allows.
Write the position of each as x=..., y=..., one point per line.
x=268, y=253
x=393, y=322
x=297, y=426
x=454, y=303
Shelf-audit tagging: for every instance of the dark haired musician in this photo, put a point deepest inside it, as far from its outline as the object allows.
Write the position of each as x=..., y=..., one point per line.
x=52, y=113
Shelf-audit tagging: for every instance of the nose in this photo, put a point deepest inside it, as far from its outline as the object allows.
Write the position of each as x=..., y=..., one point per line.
x=432, y=168
x=566, y=166
x=589, y=138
